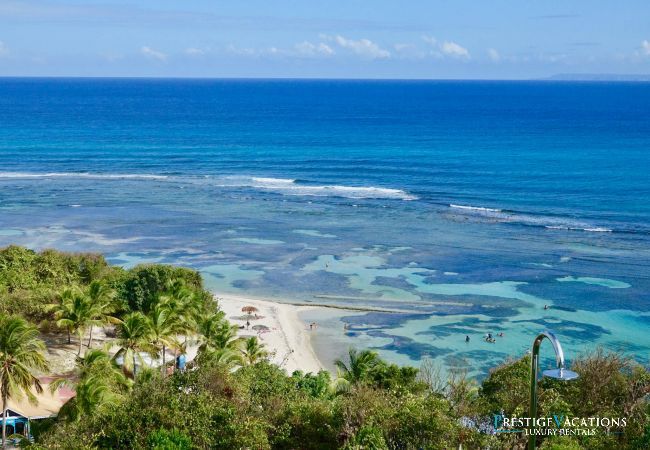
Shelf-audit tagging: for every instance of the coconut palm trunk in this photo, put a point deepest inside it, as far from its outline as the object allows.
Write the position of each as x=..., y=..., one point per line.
x=4, y=416
x=90, y=336
x=81, y=341
x=164, y=350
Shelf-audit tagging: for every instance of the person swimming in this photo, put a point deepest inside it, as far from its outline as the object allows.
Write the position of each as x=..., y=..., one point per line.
x=466, y=338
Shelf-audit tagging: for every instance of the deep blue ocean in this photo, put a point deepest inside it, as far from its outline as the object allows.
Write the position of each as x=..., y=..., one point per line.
x=447, y=208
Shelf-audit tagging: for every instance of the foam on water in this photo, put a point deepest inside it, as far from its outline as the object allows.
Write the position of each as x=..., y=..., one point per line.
x=474, y=208
x=288, y=186
x=257, y=241
x=605, y=282
x=548, y=222
x=284, y=186
x=315, y=233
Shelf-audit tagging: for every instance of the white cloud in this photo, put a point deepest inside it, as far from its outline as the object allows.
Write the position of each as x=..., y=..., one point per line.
x=453, y=49
x=408, y=51
x=645, y=47
x=446, y=48
x=362, y=47
x=241, y=51
x=150, y=53
x=192, y=51
x=430, y=40
x=253, y=52
x=308, y=49
x=493, y=55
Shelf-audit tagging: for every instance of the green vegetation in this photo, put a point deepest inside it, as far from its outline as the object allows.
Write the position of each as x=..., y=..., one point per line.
x=233, y=398
x=21, y=352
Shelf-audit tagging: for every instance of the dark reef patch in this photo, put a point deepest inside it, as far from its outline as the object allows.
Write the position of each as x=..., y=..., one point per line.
x=407, y=346
x=467, y=326
x=394, y=282
x=578, y=331
x=373, y=320
x=590, y=297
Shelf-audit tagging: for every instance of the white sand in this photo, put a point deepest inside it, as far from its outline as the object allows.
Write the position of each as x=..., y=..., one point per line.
x=286, y=333
x=288, y=338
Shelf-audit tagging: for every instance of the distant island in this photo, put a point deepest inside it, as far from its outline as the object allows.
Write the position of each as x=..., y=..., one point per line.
x=599, y=77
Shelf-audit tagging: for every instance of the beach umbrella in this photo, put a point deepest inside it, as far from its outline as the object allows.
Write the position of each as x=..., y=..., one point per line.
x=260, y=327
x=248, y=317
x=249, y=309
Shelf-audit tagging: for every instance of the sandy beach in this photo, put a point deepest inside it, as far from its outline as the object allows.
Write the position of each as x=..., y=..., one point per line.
x=288, y=338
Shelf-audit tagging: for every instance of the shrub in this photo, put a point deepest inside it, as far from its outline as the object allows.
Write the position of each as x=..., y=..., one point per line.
x=143, y=284
x=169, y=440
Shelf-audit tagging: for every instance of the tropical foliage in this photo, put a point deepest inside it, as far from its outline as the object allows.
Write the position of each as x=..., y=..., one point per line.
x=253, y=351
x=21, y=353
x=233, y=398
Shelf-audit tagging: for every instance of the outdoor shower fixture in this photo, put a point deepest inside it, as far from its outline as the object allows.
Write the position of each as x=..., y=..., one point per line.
x=559, y=374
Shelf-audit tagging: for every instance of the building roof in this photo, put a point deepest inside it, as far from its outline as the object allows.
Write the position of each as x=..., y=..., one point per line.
x=48, y=404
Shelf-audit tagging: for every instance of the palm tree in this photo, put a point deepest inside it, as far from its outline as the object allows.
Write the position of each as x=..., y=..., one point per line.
x=133, y=337
x=179, y=299
x=95, y=362
x=101, y=298
x=253, y=350
x=63, y=311
x=21, y=351
x=100, y=381
x=74, y=312
x=93, y=393
x=183, y=304
x=225, y=357
x=216, y=333
x=163, y=324
x=361, y=364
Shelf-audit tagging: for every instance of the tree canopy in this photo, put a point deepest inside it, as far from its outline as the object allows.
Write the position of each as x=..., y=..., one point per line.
x=234, y=398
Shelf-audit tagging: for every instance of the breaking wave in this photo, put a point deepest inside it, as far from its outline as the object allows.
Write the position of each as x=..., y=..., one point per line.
x=548, y=222
x=474, y=208
x=284, y=186
x=287, y=186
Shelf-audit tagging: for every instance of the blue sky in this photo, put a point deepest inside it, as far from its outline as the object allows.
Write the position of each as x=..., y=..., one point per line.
x=343, y=39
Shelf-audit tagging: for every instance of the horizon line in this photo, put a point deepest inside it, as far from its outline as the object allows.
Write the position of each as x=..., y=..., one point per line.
x=596, y=78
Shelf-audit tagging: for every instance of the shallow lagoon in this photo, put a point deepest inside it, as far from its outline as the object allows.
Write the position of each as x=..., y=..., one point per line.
x=422, y=299
x=443, y=208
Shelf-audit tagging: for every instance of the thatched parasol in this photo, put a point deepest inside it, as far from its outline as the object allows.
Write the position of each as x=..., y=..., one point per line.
x=249, y=309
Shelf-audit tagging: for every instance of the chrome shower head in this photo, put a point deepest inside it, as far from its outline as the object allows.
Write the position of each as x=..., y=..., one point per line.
x=561, y=374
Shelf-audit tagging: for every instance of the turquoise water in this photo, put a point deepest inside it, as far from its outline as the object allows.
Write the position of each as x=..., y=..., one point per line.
x=445, y=209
